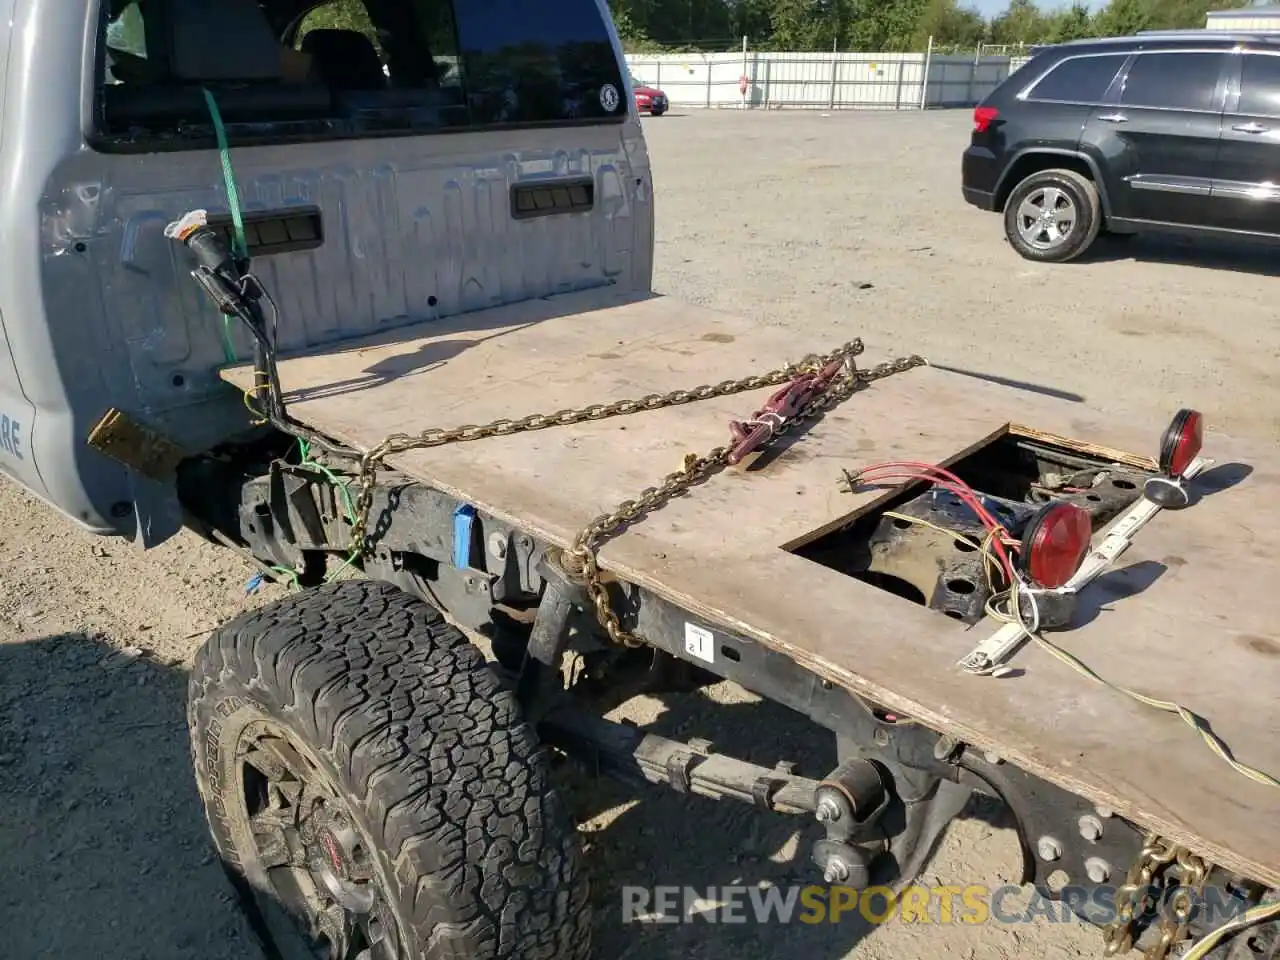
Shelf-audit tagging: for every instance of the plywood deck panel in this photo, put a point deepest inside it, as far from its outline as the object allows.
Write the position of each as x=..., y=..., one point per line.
x=1187, y=615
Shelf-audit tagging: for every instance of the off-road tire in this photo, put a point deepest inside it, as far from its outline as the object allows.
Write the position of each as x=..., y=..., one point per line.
x=424, y=746
x=1083, y=194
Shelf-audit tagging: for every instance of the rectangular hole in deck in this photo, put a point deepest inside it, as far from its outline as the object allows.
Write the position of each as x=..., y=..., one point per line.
x=924, y=544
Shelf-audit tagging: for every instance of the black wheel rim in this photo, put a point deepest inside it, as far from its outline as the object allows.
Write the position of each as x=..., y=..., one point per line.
x=309, y=852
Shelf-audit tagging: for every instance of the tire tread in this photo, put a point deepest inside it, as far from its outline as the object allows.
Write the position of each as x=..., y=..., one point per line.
x=451, y=782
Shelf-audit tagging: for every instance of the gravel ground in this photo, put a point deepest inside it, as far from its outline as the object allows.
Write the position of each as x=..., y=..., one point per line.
x=847, y=222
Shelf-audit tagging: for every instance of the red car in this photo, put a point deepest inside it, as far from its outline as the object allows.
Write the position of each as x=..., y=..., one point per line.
x=649, y=100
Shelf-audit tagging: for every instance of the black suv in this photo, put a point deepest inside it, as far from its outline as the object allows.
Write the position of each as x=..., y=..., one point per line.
x=1170, y=131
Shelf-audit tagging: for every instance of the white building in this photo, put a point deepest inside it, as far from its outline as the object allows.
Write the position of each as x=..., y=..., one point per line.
x=1245, y=19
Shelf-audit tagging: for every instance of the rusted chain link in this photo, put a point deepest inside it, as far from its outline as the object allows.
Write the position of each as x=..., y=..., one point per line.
x=1157, y=858
x=580, y=559
x=1175, y=925
x=1155, y=855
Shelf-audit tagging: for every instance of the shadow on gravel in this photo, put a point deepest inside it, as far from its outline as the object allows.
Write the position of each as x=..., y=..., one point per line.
x=105, y=852
x=102, y=842
x=1208, y=252
x=688, y=841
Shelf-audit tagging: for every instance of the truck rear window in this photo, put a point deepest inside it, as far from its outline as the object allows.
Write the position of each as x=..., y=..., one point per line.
x=281, y=70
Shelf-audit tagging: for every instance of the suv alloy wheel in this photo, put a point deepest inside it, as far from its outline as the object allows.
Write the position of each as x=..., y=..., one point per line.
x=1053, y=216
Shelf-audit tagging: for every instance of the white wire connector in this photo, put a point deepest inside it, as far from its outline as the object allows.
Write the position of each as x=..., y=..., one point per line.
x=988, y=655
x=181, y=228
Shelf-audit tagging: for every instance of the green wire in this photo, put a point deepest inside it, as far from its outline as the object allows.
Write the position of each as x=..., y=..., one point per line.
x=239, y=243
x=304, y=451
x=304, y=448
x=241, y=249
x=329, y=578
x=228, y=348
x=291, y=574
x=340, y=484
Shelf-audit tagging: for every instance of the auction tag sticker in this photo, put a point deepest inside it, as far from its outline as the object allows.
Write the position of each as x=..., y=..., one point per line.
x=699, y=643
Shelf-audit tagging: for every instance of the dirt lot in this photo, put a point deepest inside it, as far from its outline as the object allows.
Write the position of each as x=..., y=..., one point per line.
x=851, y=223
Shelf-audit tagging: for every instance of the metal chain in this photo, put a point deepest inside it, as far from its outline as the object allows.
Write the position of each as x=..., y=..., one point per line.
x=1154, y=856
x=580, y=559
x=1175, y=925
x=1157, y=857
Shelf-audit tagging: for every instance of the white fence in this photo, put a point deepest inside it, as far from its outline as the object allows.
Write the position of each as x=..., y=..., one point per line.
x=825, y=81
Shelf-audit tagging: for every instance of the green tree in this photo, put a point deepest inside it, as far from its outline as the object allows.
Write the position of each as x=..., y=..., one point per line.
x=1124, y=17
x=807, y=24
x=882, y=24
x=339, y=15
x=791, y=25
x=1073, y=23
x=867, y=25
x=1021, y=22
x=949, y=24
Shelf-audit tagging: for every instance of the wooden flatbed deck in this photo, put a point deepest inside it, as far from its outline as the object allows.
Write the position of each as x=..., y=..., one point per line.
x=1203, y=633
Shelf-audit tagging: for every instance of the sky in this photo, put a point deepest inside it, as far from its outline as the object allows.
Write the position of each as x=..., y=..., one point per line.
x=989, y=8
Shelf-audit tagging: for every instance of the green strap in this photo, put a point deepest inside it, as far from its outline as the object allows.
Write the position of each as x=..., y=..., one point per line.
x=228, y=348
x=239, y=244
x=228, y=176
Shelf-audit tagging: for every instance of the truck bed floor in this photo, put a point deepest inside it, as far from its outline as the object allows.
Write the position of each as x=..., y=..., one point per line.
x=1203, y=633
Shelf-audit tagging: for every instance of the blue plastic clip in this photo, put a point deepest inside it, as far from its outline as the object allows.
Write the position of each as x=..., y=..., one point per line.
x=463, y=519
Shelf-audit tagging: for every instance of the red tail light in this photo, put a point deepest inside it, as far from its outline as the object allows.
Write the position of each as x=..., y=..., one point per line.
x=983, y=118
x=1181, y=443
x=1055, y=544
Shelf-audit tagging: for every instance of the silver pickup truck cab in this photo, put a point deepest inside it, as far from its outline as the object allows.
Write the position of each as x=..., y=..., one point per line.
x=394, y=162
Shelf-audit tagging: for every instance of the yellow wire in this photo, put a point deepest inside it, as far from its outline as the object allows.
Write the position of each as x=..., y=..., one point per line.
x=920, y=521
x=1251, y=917
x=250, y=397
x=1211, y=740
x=1009, y=599
x=989, y=559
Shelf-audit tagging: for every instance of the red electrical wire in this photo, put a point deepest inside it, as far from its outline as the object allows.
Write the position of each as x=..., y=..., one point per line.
x=915, y=470
x=921, y=467
x=1000, y=539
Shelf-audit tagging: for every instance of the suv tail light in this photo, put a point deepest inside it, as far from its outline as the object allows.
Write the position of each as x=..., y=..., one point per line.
x=1055, y=544
x=1181, y=443
x=983, y=118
